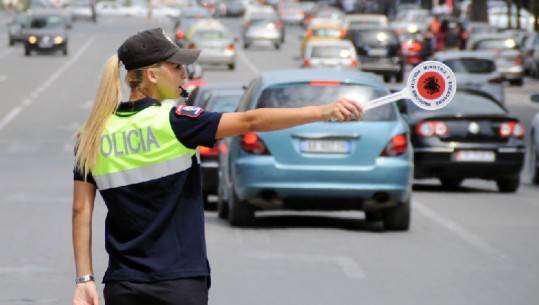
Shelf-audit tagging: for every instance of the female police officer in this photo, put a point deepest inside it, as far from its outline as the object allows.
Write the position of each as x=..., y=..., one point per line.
x=141, y=156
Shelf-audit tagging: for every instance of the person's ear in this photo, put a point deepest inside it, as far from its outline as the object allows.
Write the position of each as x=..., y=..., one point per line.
x=151, y=74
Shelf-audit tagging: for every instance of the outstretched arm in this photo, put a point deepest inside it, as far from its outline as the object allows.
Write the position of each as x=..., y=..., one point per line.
x=269, y=119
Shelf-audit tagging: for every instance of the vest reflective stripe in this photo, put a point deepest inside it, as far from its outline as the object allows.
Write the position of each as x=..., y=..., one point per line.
x=143, y=174
x=139, y=148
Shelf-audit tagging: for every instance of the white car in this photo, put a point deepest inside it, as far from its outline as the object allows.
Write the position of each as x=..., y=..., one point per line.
x=339, y=54
x=474, y=70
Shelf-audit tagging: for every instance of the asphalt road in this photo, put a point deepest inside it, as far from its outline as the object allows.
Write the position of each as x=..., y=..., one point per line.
x=471, y=246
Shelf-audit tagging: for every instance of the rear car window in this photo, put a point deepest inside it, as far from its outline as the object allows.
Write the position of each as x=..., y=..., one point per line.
x=326, y=32
x=224, y=104
x=465, y=103
x=376, y=37
x=492, y=44
x=210, y=34
x=305, y=94
x=331, y=52
x=471, y=65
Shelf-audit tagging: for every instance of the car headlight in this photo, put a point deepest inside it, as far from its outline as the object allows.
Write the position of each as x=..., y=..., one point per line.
x=32, y=39
x=58, y=39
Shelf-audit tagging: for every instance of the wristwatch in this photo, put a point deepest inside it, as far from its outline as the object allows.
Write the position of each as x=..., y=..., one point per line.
x=85, y=278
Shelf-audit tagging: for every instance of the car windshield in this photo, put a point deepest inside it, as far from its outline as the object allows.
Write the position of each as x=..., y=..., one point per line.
x=471, y=65
x=376, y=38
x=224, y=103
x=306, y=94
x=465, y=103
x=331, y=52
x=493, y=44
x=210, y=34
x=46, y=22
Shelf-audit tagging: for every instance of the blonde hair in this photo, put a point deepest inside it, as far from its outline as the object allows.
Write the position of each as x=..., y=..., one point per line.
x=105, y=103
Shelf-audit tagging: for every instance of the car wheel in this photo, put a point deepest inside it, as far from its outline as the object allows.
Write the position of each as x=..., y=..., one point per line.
x=222, y=205
x=64, y=51
x=373, y=216
x=516, y=82
x=11, y=42
x=208, y=206
x=399, y=77
x=508, y=184
x=231, y=66
x=387, y=78
x=27, y=52
x=277, y=46
x=240, y=213
x=397, y=218
x=534, y=167
x=246, y=45
x=451, y=183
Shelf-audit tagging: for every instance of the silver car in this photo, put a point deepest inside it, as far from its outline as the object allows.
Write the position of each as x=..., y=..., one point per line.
x=474, y=70
x=505, y=51
x=262, y=30
x=216, y=42
x=339, y=54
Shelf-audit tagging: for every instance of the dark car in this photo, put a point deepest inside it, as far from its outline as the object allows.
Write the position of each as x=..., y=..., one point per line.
x=15, y=28
x=474, y=136
x=46, y=33
x=379, y=51
x=219, y=101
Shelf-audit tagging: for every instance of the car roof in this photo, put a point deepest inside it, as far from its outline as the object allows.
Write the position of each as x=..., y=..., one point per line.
x=277, y=77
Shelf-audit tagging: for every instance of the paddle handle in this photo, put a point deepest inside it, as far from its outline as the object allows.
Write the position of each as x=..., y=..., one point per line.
x=384, y=100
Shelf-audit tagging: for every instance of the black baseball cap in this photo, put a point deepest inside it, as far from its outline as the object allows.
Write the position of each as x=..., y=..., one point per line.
x=152, y=46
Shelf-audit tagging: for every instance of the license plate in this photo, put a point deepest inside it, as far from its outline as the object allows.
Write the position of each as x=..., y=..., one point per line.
x=377, y=52
x=325, y=146
x=45, y=44
x=475, y=156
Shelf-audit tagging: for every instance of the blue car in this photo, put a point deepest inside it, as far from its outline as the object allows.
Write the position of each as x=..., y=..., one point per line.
x=361, y=165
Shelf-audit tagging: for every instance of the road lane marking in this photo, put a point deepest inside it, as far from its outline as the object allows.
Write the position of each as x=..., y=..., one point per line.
x=459, y=230
x=34, y=94
x=350, y=267
x=247, y=62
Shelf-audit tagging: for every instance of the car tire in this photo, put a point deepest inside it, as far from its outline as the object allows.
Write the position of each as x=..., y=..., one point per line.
x=246, y=45
x=231, y=66
x=397, y=218
x=516, y=82
x=64, y=51
x=534, y=157
x=387, y=78
x=27, y=52
x=240, y=213
x=508, y=184
x=222, y=204
x=399, y=77
x=451, y=183
x=11, y=42
x=277, y=46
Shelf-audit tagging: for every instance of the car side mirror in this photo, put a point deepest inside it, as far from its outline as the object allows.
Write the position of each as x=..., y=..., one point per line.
x=534, y=98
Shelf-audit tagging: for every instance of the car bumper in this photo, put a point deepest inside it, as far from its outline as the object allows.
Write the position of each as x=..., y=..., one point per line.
x=209, y=176
x=430, y=163
x=267, y=185
x=382, y=65
x=45, y=48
